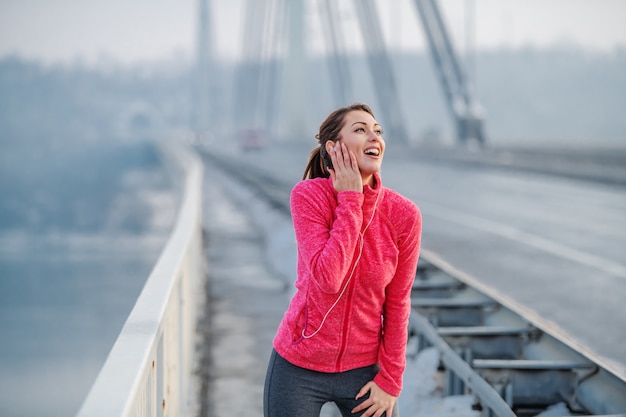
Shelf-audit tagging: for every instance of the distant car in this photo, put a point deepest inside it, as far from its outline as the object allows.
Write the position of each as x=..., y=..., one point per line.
x=252, y=140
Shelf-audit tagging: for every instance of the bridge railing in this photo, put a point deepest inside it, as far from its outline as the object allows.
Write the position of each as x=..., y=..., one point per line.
x=149, y=371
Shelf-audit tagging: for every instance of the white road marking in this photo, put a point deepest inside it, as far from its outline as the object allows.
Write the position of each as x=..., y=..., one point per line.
x=538, y=242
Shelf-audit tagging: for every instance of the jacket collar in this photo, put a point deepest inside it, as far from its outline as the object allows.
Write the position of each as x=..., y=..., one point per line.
x=372, y=193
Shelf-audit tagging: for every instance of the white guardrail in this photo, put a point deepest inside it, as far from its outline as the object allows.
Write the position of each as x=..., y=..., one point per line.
x=149, y=371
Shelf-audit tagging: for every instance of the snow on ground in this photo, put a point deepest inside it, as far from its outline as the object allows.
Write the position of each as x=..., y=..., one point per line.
x=422, y=392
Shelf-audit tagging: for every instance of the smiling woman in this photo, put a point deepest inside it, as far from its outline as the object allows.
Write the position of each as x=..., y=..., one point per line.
x=358, y=245
x=359, y=133
x=360, y=144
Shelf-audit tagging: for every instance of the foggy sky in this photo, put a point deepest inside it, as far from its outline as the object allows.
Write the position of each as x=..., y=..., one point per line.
x=128, y=32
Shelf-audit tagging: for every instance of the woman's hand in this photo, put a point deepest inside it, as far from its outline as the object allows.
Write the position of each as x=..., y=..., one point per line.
x=379, y=401
x=345, y=172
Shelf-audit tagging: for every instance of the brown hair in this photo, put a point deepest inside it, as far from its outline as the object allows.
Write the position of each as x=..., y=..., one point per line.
x=319, y=160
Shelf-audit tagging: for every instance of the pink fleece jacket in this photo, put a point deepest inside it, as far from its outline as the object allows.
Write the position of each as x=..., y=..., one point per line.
x=351, y=311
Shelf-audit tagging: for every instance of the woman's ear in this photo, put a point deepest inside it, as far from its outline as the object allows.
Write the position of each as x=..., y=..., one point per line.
x=327, y=160
x=329, y=145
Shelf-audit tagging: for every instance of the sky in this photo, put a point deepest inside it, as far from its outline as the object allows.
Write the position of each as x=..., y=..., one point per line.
x=129, y=32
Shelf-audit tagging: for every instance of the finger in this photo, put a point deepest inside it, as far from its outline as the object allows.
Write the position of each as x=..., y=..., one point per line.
x=364, y=405
x=333, y=154
x=353, y=163
x=364, y=390
x=337, y=157
x=346, y=154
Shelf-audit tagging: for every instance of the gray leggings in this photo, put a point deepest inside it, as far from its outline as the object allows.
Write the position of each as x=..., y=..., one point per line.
x=292, y=391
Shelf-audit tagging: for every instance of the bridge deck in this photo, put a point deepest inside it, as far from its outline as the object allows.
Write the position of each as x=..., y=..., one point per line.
x=250, y=292
x=247, y=300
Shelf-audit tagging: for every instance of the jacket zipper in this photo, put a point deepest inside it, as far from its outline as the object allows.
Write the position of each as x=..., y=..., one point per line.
x=344, y=330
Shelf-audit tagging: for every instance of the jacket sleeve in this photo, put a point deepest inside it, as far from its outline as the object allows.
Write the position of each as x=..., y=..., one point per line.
x=326, y=239
x=397, y=307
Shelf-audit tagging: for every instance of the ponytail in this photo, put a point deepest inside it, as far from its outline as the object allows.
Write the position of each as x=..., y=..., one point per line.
x=315, y=167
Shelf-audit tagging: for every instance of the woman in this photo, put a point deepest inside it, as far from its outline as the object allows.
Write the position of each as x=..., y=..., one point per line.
x=343, y=338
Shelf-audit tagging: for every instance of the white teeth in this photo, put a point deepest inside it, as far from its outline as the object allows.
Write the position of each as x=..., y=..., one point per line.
x=372, y=152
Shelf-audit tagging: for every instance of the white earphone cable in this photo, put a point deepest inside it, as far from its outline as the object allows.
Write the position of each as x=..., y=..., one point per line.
x=345, y=286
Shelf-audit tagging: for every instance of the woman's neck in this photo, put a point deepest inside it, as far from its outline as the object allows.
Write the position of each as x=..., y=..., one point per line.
x=369, y=180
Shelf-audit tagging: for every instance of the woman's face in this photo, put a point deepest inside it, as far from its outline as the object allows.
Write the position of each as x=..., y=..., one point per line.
x=364, y=136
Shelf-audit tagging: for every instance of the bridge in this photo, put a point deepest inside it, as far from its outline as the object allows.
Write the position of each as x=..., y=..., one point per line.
x=513, y=302
x=506, y=240
x=272, y=84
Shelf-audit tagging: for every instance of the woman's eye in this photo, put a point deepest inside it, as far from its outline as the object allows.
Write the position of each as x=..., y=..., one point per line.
x=359, y=129
x=379, y=132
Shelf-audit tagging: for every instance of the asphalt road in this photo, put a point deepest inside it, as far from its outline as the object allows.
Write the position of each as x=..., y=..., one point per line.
x=555, y=245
